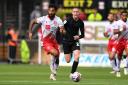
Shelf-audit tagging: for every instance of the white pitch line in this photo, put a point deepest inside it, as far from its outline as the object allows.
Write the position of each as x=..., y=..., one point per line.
x=52, y=82
x=21, y=73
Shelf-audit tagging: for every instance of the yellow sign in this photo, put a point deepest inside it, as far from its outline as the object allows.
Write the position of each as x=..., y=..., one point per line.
x=119, y=4
x=74, y=3
x=89, y=3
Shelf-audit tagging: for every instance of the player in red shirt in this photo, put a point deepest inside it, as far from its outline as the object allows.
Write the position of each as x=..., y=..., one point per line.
x=121, y=28
x=49, y=25
x=112, y=40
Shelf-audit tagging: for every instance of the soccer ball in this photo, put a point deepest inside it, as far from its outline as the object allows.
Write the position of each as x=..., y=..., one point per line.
x=76, y=76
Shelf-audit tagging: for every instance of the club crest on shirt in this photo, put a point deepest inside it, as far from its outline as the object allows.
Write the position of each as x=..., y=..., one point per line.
x=47, y=27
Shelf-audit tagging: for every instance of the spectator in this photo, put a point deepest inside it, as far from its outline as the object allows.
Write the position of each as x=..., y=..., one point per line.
x=95, y=16
x=12, y=37
x=35, y=13
x=25, y=51
x=118, y=15
x=82, y=16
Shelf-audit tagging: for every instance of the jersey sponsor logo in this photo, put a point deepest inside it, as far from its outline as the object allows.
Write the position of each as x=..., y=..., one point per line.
x=99, y=60
x=65, y=21
x=77, y=44
x=47, y=27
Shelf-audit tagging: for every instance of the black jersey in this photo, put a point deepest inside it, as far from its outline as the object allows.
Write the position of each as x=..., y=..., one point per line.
x=72, y=28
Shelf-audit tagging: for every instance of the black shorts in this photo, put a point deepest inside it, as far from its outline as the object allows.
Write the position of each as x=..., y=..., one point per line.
x=70, y=47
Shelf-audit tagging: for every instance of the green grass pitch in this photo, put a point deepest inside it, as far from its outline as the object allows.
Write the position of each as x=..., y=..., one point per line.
x=24, y=74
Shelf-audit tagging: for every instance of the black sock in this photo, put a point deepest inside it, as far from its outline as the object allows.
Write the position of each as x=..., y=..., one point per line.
x=74, y=66
x=57, y=61
x=115, y=62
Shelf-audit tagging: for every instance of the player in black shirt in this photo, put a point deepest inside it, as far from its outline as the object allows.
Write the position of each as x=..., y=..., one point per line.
x=74, y=31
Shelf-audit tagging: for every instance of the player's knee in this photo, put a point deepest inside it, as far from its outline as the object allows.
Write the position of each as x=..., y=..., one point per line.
x=54, y=52
x=67, y=59
x=111, y=58
x=76, y=58
x=126, y=54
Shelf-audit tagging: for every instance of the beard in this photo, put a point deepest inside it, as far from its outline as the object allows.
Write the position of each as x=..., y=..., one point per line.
x=51, y=16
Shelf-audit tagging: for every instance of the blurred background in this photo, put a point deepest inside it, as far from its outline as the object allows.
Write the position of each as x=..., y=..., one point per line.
x=17, y=14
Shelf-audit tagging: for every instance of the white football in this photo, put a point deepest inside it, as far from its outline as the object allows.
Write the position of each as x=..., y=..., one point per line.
x=76, y=76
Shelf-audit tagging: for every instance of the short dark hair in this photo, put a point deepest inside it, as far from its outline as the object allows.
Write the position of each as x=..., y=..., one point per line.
x=124, y=11
x=53, y=6
x=111, y=13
